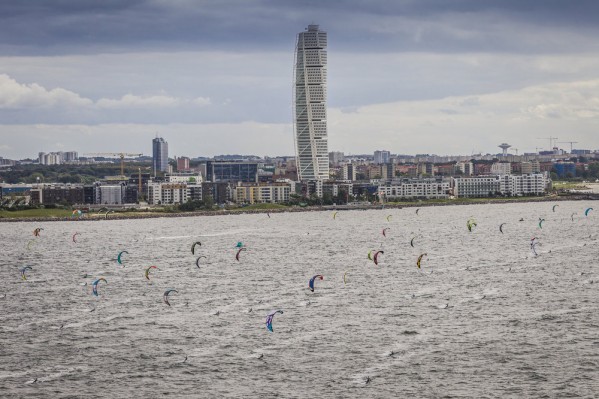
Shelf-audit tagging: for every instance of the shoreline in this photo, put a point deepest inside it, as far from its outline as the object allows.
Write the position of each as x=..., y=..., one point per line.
x=323, y=208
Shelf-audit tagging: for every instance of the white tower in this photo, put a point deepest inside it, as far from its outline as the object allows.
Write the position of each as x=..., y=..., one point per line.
x=504, y=147
x=310, y=109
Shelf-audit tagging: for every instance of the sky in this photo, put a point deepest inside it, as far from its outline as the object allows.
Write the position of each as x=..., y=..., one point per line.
x=215, y=77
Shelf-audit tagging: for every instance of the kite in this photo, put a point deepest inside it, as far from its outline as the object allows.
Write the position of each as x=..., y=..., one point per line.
x=193, y=247
x=119, y=258
x=238, y=252
x=376, y=257
x=148, y=271
x=501, y=227
x=269, y=318
x=420, y=259
x=311, y=283
x=23, y=270
x=198, y=261
x=166, y=294
x=95, y=285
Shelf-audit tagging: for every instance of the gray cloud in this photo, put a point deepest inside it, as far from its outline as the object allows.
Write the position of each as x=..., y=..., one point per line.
x=406, y=75
x=84, y=26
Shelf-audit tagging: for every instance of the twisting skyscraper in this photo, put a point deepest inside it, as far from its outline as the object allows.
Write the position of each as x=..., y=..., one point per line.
x=310, y=109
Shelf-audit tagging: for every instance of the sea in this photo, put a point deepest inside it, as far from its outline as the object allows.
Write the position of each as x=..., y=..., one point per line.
x=486, y=315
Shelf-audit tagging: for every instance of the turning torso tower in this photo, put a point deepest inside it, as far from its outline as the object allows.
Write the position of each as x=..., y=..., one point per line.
x=310, y=108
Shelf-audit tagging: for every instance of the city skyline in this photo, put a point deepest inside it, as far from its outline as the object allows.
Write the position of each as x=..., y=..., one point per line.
x=411, y=77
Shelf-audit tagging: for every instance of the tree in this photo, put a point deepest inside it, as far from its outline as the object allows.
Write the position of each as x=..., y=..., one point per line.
x=208, y=202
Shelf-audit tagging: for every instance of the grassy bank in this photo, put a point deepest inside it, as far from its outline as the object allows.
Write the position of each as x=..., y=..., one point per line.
x=36, y=213
x=65, y=214
x=569, y=185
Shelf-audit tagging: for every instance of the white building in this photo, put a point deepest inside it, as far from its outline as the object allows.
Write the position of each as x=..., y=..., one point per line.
x=415, y=189
x=52, y=158
x=336, y=188
x=167, y=193
x=184, y=177
x=260, y=193
x=510, y=185
x=501, y=168
x=112, y=194
x=530, y=167
x=518, y=185
x=467, y=168
x=310, y=110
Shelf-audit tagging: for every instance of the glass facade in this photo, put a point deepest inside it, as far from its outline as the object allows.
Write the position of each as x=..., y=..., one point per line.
x=159, y=155
x=246, y=172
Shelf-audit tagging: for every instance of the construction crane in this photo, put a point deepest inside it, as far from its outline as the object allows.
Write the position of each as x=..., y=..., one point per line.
x=571, y=142
x=550, y=141
x=515, y=149
x=121, y=155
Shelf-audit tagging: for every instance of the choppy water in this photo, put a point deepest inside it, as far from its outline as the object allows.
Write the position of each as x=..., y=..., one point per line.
x=491, y=320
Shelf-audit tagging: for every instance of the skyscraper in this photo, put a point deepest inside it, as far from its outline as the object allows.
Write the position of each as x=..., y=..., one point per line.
x=382, y=156
x=310, y=109
x=159, y=155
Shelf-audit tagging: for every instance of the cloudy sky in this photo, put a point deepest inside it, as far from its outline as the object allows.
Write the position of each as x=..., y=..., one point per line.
x=215, y=77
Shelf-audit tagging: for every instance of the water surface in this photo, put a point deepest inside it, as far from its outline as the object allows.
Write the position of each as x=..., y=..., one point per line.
x=483, y=317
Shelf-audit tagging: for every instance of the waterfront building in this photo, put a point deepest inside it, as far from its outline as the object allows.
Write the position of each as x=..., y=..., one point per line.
x=335, y=188
x=160, y=193
x=508, y=185
x=310, y=111
x=475, y=186
x=57, y=194
x=110, y=194
x=251, y=193
x=415, y=189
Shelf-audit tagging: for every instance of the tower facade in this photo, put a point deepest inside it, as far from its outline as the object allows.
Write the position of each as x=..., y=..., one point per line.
x=159, y=155
x=382, y=157
x=310, y=108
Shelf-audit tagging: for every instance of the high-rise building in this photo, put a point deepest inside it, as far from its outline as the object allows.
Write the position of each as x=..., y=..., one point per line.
x=159, y=155
x=310, y=109
x=382, y=156
x=349, y=172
